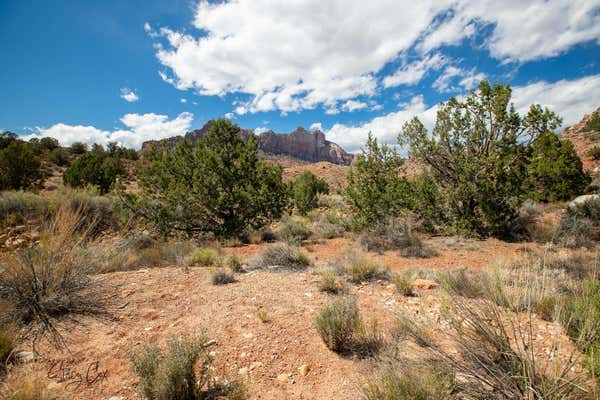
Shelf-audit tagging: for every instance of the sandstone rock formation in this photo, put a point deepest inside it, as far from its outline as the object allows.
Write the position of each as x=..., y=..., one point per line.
x=583, y=140
x=300, y=143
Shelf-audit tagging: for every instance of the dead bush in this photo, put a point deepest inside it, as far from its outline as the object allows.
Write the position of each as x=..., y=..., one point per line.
x=222, y=277
x=281, y=257
x=29, y=388
x=396, y=234
x=580, y=225
x=404, y=283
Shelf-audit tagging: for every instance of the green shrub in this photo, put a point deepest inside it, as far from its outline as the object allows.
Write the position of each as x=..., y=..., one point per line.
x=339, y=324
x=78, y=148
x=59, y=156
x=183, y=372
x=96, y=168
x=20, y=168
x=292, y=231
x=594, y=152
x=26, y=204
x=476, y=156
x=305, y=191
x=207, y=257
x=172, y=375
x=341, y=328
x=376, y=188
x=218, y=186
x=222, y=277
x=555, y=171
x=282, y=256
x=593, y=124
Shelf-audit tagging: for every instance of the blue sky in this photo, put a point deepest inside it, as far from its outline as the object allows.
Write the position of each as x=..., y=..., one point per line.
x=137, y=70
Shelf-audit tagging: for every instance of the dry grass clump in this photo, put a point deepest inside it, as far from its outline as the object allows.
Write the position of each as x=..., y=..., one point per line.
x=361, y=269
x=51, y=282
x=235, y=264
x=8, y=342
x=580, y=225
x=341, y=327
x=466, y=283
x=29, y=388
x=331, y=284
x=330, y=225
x=404, y=283
x=281, y=257
x=222, y=277
x=492, y=350
x=293, y=230
x=408, y=380
x=182, y=372
x=206, y=257
x=396, y=234
x=138, y=251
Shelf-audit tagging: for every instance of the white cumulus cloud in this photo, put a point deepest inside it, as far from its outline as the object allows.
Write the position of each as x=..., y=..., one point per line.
x=138, y=129
x=571, y=99
x=411, y=74
x=129, y=95
x=353, y=105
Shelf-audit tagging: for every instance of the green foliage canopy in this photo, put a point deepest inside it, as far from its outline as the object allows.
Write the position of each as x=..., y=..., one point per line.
x=19, y=166
x=96, y=167
x=305, y=190
x=218, y=186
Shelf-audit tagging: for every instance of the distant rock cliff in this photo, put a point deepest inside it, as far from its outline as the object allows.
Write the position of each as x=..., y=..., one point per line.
x=300, y=143
x=584, y=138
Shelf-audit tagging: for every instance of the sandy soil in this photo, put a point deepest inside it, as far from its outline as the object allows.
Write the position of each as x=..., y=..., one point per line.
x=152, y=305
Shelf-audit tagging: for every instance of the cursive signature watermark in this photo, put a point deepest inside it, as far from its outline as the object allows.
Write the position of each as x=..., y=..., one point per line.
x=64, y=371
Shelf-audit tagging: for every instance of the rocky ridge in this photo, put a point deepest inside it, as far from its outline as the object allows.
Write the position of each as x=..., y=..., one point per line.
x=302, y=144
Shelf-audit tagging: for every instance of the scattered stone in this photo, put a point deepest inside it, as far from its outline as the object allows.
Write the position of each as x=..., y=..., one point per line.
x=285, y=377
x=248, y=335
x=304, y=369
x=243, y=371
x=255, y=365
x=25, y=357
x=211, y=342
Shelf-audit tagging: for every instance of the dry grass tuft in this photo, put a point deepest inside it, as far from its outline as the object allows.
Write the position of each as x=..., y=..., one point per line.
x=331, y=284
x=222, y=277
x=28, y=388
x=281, y=257
x=50, y=284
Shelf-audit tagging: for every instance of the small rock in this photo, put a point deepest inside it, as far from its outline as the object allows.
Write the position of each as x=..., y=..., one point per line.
x=25, y=357
x=116, y=398
x=255, y=365
x=211, y=342
x=304, y=369
x=284, y=377
x=248, y=335
x=243, y=371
